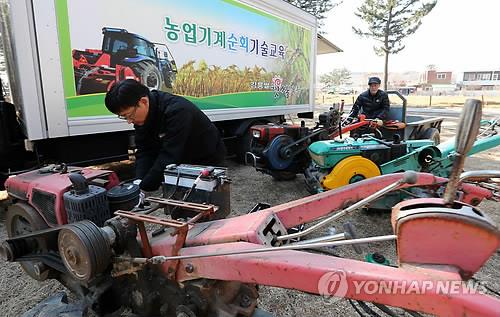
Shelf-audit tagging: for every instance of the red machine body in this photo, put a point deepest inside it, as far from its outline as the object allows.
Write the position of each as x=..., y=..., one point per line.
x=268, y=132
x=43, y=189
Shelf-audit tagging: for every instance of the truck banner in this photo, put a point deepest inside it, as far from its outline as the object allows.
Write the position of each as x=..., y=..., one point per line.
x=220, y=54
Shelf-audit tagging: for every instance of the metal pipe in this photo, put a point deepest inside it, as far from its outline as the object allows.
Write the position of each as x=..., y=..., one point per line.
x=467, y=131
x=479, y=174
x=159, y=259
x=333, y=237
x=409, y=177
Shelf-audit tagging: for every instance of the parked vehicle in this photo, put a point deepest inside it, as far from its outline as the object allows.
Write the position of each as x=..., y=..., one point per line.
x=239, y=76
x=123, y=55
x=281, y=150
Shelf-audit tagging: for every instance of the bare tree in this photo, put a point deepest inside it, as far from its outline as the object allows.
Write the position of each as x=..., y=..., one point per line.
x=391, y=21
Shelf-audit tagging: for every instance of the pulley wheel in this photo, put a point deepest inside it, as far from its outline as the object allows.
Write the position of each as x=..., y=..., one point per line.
x=274, y=154
x=350, y=170
x=84, y=250
x=22, y=219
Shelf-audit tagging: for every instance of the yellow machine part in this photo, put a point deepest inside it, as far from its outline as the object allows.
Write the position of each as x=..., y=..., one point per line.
x=350, y=170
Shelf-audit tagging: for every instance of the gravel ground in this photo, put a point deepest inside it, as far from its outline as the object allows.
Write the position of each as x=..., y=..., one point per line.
x=18, y=292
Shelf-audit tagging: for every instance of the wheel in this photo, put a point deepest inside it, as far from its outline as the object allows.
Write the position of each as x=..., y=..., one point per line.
x=431, y=134
x=3, y=178
x=148, y=74
x=275, y=155
x=244, y=144
x=23, y=219
x=350, y=170
x=168, y=77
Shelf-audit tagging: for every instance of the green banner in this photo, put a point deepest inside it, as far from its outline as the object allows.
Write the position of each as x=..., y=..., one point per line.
x=221, y=54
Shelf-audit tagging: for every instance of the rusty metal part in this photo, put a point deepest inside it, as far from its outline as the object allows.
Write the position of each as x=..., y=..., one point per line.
x=202, y=210
x=123, y=268
x=180, y=230
x=84, y=249
x=468, y=129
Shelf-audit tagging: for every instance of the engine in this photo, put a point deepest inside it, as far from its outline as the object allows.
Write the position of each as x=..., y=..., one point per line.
x=77, y=225
x=280, y=149
x=62, y=194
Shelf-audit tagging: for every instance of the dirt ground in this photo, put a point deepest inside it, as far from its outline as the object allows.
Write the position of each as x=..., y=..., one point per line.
x=18, y=292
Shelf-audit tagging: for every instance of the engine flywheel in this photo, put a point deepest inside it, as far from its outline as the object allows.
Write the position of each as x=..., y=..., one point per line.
x=84, y=250
x=278, y=160
x=350, y=170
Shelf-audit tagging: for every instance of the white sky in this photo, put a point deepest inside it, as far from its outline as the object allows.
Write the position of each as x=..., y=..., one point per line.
x=457, y=35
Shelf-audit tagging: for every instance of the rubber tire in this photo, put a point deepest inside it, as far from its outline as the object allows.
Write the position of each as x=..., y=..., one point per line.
x=169, y=78
x=36, y=223
x=431, y=134
x=144, y=70
x=244, y=145
x=2, y=181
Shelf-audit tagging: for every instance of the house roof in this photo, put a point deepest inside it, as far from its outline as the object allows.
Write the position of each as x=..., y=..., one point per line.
x=326, y=47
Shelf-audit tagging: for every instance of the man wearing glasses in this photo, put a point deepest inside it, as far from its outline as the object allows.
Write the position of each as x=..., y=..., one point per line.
x=169, y=130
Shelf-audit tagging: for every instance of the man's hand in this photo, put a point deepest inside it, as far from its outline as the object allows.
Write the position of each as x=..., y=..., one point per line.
x=349, y=120
x=140, y=203
x=378, y=122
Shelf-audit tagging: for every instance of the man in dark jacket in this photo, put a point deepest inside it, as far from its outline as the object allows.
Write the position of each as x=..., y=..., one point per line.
x=169, y=130
x=373, y=103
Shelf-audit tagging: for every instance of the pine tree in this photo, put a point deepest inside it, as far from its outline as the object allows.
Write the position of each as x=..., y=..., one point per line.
x=318, y=8
x=391, y=21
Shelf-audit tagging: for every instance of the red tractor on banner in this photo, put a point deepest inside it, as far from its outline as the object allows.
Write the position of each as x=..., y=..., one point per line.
x=123, y=55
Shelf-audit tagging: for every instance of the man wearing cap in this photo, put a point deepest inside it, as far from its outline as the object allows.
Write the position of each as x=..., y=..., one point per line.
x=373, y=103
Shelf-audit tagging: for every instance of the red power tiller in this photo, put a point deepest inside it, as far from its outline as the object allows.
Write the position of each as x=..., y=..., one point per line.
x=213, y=268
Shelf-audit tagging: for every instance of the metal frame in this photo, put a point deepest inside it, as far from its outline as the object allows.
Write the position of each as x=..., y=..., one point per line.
x=53, y=89
x=247, y=248
x=227, y=250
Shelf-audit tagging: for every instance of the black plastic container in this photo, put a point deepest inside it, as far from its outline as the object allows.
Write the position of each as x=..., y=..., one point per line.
x=86, y=202
x=123, y=197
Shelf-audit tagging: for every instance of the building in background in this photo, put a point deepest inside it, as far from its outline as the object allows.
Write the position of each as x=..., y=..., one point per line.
x=481, y=80
x=437, y=82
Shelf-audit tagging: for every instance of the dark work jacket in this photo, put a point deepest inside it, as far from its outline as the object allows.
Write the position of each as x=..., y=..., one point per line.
x=175, y=131
x=374, y=107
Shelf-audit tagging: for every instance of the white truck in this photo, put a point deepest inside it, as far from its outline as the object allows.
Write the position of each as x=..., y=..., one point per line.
x=243, y=62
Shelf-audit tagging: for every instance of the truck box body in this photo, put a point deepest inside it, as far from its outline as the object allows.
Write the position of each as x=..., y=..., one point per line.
x=233, y=59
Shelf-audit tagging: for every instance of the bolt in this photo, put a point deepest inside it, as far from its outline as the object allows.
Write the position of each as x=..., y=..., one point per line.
x=72, y=256
x=379, y=258
x=475, y=201
x=245, y=301
x=39, y=268
x=189, y=268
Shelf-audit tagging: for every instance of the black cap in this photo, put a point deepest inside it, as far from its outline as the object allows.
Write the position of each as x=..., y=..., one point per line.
x=374, y=80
